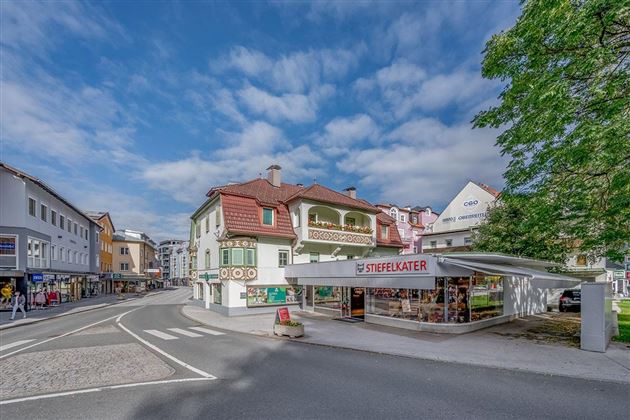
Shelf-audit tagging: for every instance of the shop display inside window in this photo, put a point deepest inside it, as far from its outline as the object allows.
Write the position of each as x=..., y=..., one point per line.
x=397, y=303
x=328, y=297
x=457, y=292
x=486, y=297
x=7, y=288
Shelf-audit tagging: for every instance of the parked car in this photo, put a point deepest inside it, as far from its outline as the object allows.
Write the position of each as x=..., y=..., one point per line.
x=565, y=300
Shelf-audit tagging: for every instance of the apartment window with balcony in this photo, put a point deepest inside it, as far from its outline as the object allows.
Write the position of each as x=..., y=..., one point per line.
x=124, y=266
x=267, y=216
x=53, y=217
x=283, y=258
x=449, y=242
x=207, y=259
x=433, y=244
x=313, y=257
x=62, y=222
x=43, y=212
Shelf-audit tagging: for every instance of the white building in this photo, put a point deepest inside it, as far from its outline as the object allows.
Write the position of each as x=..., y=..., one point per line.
x=453, y=229
x=179, y=264
x=165, y=252
x=244, y=235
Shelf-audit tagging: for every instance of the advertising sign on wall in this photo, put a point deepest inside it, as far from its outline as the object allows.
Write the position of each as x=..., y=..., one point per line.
x=262, y=296
x=37, y=277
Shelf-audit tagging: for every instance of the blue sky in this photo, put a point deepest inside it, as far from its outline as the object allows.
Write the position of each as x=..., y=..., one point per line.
x=138, y=108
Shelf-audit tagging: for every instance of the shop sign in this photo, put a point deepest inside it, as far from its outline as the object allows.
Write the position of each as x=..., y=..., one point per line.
x=282, y=314
x=49, y=277
x=627, y=266
x=7, y=246
x=37, y=277
x=276, y=295
x=389, y=267
x=628, y=275
x=619, y=274
x=63, y=277
x=116, y=276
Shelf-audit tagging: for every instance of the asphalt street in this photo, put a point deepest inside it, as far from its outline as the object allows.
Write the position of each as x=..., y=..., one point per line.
x=171, y=367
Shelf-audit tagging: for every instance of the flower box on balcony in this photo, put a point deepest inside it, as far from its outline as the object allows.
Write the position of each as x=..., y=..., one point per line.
x=345, y=228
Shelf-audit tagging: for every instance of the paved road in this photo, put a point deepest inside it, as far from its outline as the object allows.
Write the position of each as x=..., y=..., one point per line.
x=166, y=366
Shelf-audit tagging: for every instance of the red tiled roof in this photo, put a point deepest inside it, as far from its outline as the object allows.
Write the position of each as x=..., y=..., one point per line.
x=318, y=192
x=260, y=189
x=393, y=239
x=489, y=189
x=243, y=215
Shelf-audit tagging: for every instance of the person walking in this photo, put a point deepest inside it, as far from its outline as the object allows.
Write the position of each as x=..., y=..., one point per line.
x=18, y=302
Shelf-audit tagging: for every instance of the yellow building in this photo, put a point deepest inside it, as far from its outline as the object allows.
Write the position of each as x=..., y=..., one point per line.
x=106, y=248
x=134, y=261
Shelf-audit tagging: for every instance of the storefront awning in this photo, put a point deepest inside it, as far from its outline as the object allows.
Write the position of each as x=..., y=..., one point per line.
x=541, y=279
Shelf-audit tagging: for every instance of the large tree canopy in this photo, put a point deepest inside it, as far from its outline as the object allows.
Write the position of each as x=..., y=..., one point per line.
x=566, y=114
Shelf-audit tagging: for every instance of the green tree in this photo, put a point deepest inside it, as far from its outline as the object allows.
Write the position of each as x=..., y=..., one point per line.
x=565, y=110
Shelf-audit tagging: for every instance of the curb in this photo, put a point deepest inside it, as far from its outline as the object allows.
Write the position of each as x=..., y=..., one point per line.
x=37, y=321
x=406, y=356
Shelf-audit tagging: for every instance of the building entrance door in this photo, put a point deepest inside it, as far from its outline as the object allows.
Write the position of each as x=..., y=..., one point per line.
x=357, y=302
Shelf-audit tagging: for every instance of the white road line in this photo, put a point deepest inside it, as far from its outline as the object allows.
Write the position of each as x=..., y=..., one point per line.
x=17, y=343
x=165, y=354
x=184, y=332
x=103, y=388
x=207, y=331
x=68, y=333
x=160, y=334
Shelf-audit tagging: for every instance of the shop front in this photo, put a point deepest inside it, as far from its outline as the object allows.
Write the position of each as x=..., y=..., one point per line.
x=424, y=292
x=10, y=281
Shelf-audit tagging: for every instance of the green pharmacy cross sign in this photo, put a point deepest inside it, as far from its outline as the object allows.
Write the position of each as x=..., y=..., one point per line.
x=207, y=276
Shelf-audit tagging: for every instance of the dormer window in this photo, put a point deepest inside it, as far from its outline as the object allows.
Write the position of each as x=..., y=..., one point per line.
x=394, y=212
x=402, y=218
x=384, y=233
x=267, y=218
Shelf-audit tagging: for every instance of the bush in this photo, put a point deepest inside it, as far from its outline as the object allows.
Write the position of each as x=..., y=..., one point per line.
x=289, y=323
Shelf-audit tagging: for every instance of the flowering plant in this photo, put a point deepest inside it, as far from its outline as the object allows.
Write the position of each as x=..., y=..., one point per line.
x=290, y=323
x=346, y=228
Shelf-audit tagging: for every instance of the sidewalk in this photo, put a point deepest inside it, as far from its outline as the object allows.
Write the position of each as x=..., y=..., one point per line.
x=85, y=304
x=486, y=348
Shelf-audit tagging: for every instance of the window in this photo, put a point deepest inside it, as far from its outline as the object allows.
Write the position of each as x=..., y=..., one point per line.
x=207, y=258
x=124, y=266
x=313, y=257
x=32, y=206
x=8, y=252
x=75, y=258
x=62, y=255
x=467, y=240
x=53, y=254
x=267, y=216
x=415, y=249
x=53, y=217
x=283, y=258
x=217, y=218
x=433, y=244
x=43, y=212
x=81, y=230
x=312, y=217
x=394, y=212
x=351, y=221
x=197, y=230
x=384, y=233
x=62, y=221
x=403, y=218
x=75, y=228
x=69, y=256
x=237, y=256
x=69, y=226
x=225, y=256
x=86, y=235
x=250, y=256
x=37, y=252
x=350, y=257
x=207, y=223
x=124, y=251
x=449, y=242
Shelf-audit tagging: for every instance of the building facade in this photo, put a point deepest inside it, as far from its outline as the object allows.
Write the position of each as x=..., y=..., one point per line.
x=166, y=249
x=453, y=229
x=104, y=220
x=179, y=265
x=244, y=235
x=410, y=223
x=135, y=261
x=47, y=244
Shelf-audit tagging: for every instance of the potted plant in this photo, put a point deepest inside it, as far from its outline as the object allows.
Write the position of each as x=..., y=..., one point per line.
x=289, y=328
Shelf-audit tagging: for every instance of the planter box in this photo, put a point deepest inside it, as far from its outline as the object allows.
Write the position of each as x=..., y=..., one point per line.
x=292, y=332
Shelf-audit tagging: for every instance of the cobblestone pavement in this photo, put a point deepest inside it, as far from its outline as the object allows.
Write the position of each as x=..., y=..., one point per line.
x=76, y=368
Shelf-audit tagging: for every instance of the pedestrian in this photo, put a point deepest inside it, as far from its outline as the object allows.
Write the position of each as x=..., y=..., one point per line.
x=18, y=303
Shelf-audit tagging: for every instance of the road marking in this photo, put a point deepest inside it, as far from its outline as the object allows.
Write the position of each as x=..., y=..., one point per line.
x=103, y=388
x=184, y=332
x=207, y=331
x=68, y=333
x=160, y=334
x=165, y=354
x=17, y=343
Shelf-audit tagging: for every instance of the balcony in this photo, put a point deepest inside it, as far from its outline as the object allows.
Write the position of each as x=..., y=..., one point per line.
x=328, y=225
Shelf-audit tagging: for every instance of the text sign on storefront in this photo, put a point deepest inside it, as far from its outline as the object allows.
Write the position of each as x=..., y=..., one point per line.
x=7, y=246
x=37, y=277
x=395, y=267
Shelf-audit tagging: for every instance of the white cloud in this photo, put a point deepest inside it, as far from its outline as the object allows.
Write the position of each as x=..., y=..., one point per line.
x=255, y=139
x=427, y=162
x=341, y=134
x=297, y=72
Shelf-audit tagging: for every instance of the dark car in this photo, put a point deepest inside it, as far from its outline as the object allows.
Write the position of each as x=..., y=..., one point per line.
x=570, y=300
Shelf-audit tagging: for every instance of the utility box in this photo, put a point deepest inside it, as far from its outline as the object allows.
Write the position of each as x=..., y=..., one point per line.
x=597, y=316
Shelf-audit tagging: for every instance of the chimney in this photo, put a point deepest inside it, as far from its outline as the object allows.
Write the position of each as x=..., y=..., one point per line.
x=273, y=175
x=352, y=192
